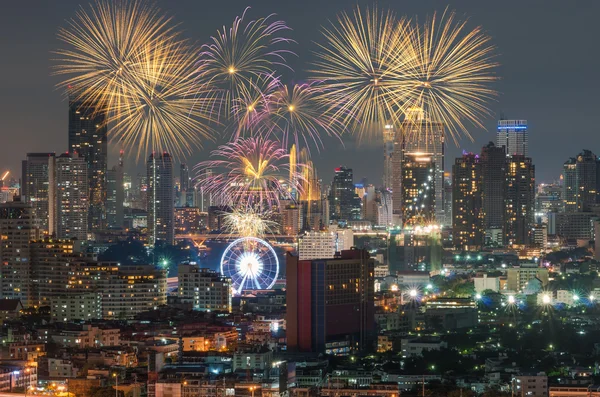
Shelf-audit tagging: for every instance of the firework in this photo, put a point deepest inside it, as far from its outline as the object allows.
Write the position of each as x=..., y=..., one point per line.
x=163, y=109
x=127, y=63
x=249, y=222
x=297, y=116
x=360, y=65
x=103, y=46
x=242, y=53
x=251, y=171
x=446, y=74
x=252, y=106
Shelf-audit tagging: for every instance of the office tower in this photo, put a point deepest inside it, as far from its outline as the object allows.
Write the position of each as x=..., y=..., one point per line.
x=69, y=190
x=205, y=289
x=88, y=137
x=389, y=135
x=448, y=197
x=548, y=199
x=418, y=189
x=291, y=217
x=115, y=197
x=324, y=244
x=416, y=248
x=384, y=208
x=519, y=201
x=512, y=135
x=467, y=213
x=204, y=200
x=330, y=303
x=581, y=182
x=493, y=180
x=35, y=181
x=419, y=135
x=368, y=205
x=17, y=228
x=184, y=177
x=343, y=200
x=160, y=196
x=186, y=188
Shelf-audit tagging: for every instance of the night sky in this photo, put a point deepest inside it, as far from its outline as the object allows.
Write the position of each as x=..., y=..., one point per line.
x=548, y=52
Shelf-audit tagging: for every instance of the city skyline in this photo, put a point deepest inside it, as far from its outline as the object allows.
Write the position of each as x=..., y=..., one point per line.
x=548, y=116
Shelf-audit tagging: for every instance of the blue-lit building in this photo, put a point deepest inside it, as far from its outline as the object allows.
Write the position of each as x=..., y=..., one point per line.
x=512, y=134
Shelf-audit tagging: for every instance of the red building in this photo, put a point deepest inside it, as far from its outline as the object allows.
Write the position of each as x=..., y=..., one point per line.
x=330, y=303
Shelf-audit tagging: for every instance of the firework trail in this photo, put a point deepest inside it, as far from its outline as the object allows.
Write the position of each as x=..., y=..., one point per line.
x=243, y=53
x=249, y=222
x=124, y=60
x=252, y=171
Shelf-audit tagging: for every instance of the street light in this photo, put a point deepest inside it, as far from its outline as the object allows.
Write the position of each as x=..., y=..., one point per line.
x=116, y=384
x=252, y=390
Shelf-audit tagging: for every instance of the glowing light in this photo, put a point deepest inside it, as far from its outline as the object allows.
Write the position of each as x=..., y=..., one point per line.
x=251, y=172
x=251, y=263
x=546, y=299
x=511, y=299
x=239, y=54
x=478, y=296
x=575, y=297
x=124, y=61
x=413, y=293
x=248, y=222
x=394, y=288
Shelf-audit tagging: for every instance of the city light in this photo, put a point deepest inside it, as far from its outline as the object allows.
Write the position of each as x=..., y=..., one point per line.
x=511, y=299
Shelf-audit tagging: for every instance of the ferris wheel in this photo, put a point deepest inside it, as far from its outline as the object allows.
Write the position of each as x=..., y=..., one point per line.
x=251, y=263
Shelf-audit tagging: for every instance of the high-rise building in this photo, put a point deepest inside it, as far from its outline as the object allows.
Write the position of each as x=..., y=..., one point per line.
x=115, y=196
x=205, y=289
x=419, y=135
x=548, y=199
x=343, y=200
x=184, y=177
x=512, y=135
x=161, y=199
x=88, y=137
x=204, y=200
x=493, y=182
x=389, y=136
x=384, y=203
x=467, y=213
x=70, y=278
x=35, y=182
x=324, y=244
x=581, y=182
x=330, y=303
x=416, y=248
x=291, y=217
x=519, y=204
x=447, y=197
x=17, y=228
x=69, y=191
x=418, y=189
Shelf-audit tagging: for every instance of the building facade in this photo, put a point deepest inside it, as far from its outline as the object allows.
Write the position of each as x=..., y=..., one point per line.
x=205, y=289
x=330, y=303
x=519, y=205
x=512, y=135
x=418, y=189
x=161, y=199
x=88, y=137
x=35, y=186
x=467, y=211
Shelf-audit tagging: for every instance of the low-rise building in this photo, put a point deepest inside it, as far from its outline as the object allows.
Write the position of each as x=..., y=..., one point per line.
x=205, y=289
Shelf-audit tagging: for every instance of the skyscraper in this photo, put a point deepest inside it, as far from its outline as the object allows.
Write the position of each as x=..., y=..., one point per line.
x=467, y=212
x=184, y=177
x=115, y=196
x=343, y=199
x=161, y=197
x=69, y=191
x=35, y=181
x=493, y=180
x=512, y=134
x=519, y=203
x=418, y=189
x=330, y=303
x=17, y=229
x=581, y=182
x=88, y=137
x=389, y=134
x=419, y=135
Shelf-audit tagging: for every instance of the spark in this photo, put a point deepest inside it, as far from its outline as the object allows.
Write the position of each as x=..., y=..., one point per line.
x=254, y=171
x=359, y=64
x=249, y=222
x=242, y=53
x=125, y=60
x=447, y=69
x=297, y=116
